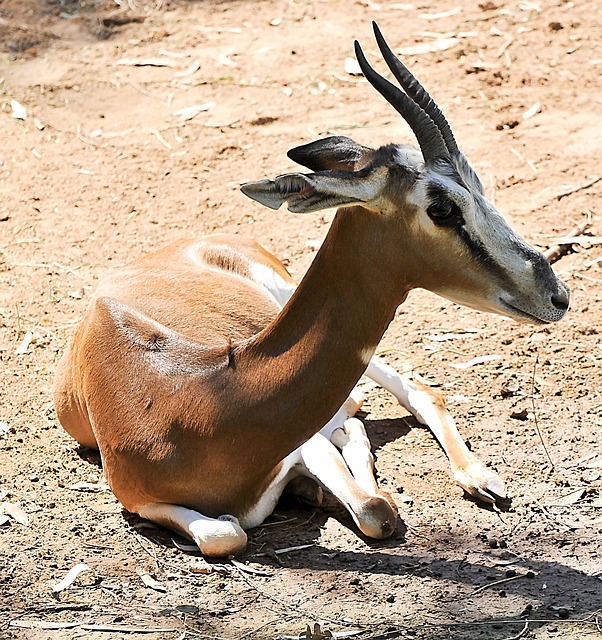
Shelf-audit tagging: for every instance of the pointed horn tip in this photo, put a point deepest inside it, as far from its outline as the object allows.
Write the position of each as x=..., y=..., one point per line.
x=360, y=55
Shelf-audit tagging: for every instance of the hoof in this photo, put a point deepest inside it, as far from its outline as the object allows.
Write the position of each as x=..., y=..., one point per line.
x=481, y=483
x=377, y=518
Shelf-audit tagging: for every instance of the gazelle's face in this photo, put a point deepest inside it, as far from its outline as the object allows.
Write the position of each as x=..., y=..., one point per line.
x=468, y=252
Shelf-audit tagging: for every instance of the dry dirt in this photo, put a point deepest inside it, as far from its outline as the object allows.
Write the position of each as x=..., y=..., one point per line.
x=103, y=170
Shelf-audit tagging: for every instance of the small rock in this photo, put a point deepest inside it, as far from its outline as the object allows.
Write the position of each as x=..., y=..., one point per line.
x=523, y=414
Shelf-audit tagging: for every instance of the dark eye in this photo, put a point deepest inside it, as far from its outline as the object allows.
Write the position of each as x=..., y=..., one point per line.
x=444, y=211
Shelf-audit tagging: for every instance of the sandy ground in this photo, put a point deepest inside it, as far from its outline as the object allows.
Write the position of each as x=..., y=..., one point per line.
x=103, y=169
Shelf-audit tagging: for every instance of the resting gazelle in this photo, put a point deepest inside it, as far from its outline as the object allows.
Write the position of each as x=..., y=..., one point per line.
x=209, y=382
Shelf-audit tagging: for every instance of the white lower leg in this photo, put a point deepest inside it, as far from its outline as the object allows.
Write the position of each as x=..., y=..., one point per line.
x=221, y=536
x=429, y=408
x=349, y=408
x=353, y=442
x=373, y=513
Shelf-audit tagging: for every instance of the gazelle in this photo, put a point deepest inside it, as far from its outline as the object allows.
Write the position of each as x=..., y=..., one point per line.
x=209, y=382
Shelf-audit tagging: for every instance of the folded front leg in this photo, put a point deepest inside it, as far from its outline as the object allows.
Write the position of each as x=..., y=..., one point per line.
x=375, y=516
x=428, y=407
x=353, y=442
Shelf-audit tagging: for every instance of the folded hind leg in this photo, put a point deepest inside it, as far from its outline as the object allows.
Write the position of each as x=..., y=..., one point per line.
x=221, y=536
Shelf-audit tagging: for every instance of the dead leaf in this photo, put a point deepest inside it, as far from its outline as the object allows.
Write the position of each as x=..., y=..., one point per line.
x=68, y=580
x=352, y=67
x=443, y=337
x=475, y=361
x=290, y=549
x=247, y=569
x=150, y=582
x=19, y=112
x=442, y=14
x=89, y=487
x=531, y=111
x=193, y=68
x=185, y=547
x=225, y=60
x=188, y=113
x=441, y=44
x=43, y=625
x=523, y=414
x=113, y=629
x=15, y=512
x=571, y=498
x=172, y=54
x=27, y=340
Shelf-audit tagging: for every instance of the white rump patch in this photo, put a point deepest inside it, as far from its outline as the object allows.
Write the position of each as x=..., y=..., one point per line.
x=277, y=288
x=275, y=285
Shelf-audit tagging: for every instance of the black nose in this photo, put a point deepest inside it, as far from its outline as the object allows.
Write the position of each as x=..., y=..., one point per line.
x=561, y=300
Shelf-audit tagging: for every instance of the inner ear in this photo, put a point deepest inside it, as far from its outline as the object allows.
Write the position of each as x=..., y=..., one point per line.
x=335, y=152
x=304, y=193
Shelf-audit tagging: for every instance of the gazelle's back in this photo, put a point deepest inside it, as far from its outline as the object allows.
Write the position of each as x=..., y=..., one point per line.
x=201, y=289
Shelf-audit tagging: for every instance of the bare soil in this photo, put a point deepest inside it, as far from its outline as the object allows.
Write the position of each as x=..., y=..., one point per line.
x=103, y=169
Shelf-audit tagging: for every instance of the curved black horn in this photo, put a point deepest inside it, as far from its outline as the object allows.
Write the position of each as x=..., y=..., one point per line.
x=426, y=131
x=416, y=91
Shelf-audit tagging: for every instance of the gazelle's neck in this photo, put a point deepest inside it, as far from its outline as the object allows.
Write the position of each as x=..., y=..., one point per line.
x=310, y=357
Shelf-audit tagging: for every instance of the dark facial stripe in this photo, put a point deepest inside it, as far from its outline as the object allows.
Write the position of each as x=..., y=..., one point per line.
x=478, y=249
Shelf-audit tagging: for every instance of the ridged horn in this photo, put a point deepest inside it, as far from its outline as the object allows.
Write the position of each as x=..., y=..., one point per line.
x=426, y=131
x=416, y=91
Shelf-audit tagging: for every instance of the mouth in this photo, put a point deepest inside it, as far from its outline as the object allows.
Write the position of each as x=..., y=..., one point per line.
x=521, y=315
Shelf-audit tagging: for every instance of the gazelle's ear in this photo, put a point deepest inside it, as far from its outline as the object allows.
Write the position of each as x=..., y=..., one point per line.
x=336, y=152
x=316, y=191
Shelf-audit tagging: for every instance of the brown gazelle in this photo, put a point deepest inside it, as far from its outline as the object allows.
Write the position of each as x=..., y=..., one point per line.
x=209, y=382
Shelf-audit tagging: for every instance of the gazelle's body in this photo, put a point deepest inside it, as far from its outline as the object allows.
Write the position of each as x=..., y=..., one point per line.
x=205, y=398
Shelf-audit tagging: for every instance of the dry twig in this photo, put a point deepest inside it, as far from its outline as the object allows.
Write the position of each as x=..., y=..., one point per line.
x=556, y=251
x=577, y=187
x=521, y=633
x=489, y=585
x=539, y=433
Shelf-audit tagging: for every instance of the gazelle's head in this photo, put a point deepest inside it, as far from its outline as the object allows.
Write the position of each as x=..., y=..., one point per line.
x=445, y=234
